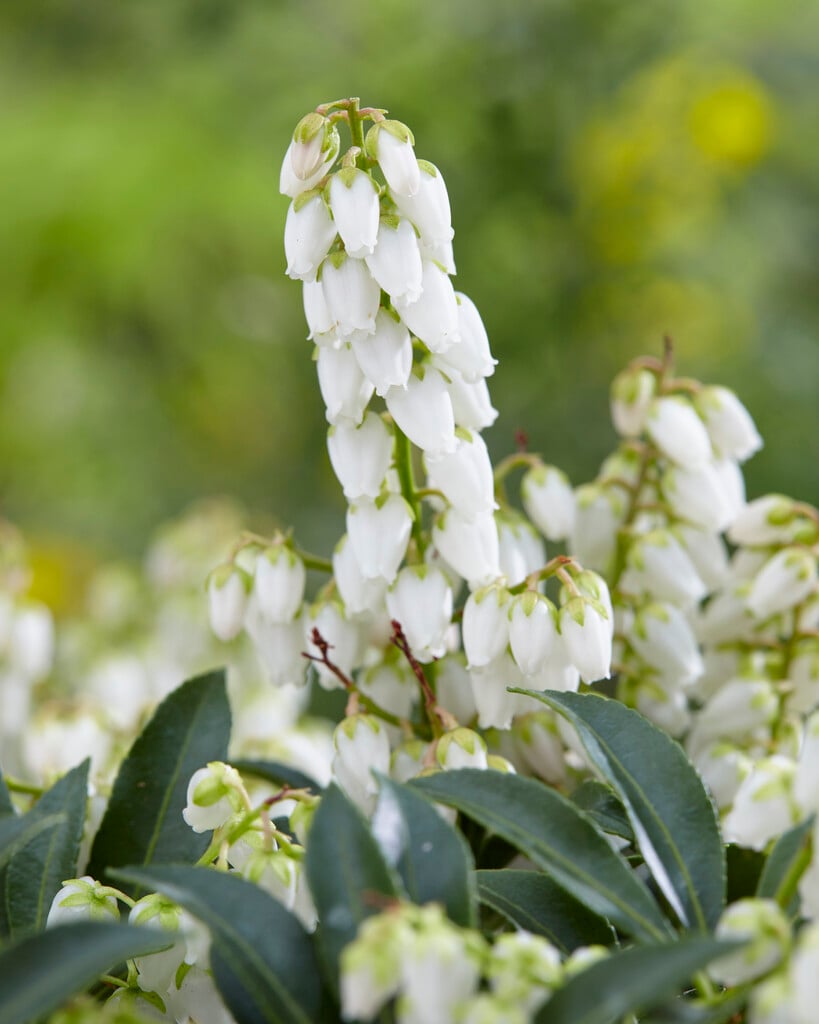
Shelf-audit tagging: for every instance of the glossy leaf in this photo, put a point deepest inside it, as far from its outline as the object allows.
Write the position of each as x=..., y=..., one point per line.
x=261, y=956
x=532, y=901
x=348, y=875
x=630, y=981
x=558, y=837
x=40, y=972
x=277, y=772
x=674, y=820
x=143, y=823
x=432, y=858
x=603, y=807
x=16, y=832
x=785, y=865
x=36, y=872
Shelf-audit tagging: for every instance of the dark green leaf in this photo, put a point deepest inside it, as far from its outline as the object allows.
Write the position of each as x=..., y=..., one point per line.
x=6, y=806
x=603, y=807
x=37, y=871
x=744, y=869
x=629, y=981
x=785, y=865
x=673, y=818
x=432, y=858
x=347, y=874
x=558, y=837
x=690, y=1012
x=281, y=774
x=39, y=973
x=143, y=823
x=16, y=832
x=261, y=956
x=532, y=901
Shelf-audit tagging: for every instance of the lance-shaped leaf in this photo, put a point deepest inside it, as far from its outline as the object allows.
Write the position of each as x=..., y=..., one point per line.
x=433, y=860
x=603, y=807
x=674, y=820
x=42, y=971
x=143, y=823
x=532, y=901
x=558, y=837
x=6, y=806
x=262, y=958
x=630, y=981
x=348, y=876
x=16, y=832
x=36, y=872
x=785, y=865
x=278, y=773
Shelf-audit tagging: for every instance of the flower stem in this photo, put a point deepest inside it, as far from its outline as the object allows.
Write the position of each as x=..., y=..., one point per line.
x=409, y=492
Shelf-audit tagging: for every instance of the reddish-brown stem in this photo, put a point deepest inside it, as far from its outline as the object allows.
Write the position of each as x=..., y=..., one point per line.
x=438, y=716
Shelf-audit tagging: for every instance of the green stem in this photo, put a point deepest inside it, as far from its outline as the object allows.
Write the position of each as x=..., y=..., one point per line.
x=18, y=786
x=314, y=561
x=787, y=887
x=403, y=465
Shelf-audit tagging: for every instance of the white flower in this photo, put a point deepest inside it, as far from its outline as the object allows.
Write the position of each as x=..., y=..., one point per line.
x=391, y=684
x=361, y=745
x=663, y=638
x=278, y=646
x=317, y=314
x=764, y=805
x=308, y=233
x=598, y=514
x=371, y=966
x=358, y=593
x=729, y=424
x=485, y=624
x=344, y=388
x=586, y=631
x=707, y=552
x=428, y=208
x=227, y=600
x=342, y=635
x=549, y=501
x=521, y=547
x=453, y=688
x=783, y=582
x=740, y=709
x=732, y=484
x=538, y=744
x=806, y=783
x=533, y=634
x=310, y=155
x=471, y=357
x=355, y=206
x=772, y=519
x=470, y=546
x=395, y=262
x=678, y=432
x=461, y=748
x=385, y=357
x=659, y=566
x=523, y=969
x=632, y=391
x=725, y=617
x=723, y=767
x=32, y=639
x=464, y=476
x=762, y=926
x=439, y=252
x=697, y=494
x=379, y=532
x=423, y=411
x=278, y=583
x=391, y=143
x=210, y=797
x=421, y=600
x=360, y=455
x=495, y=705
x=81, y=899
x=197, y=998
x=433, y=317
x=470, y=402
x=352, y=296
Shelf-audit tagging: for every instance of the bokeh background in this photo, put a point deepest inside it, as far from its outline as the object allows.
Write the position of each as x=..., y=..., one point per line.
x=617, y=170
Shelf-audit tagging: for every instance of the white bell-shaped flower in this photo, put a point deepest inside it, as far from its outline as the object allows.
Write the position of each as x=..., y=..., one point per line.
x=726, y=617
x=310, y=155
x=740, y=709
x=464, y=476
x=707, y=552
x=82, y=899
x=485, y=624
x=308, y=234
x=31, y=639
x=538, y=744
x=729, y=424
x=433, y=317
x=599, y=511
x=471, y=357
x=674, y=426
x=395, y=263
x=343, y=636
x=549, y=501
x=723, y=766
x=469, y=546
x=421, y=600
x=391, y=143
x=423, y=411
x=391, y=684
x=278, y=646
x=321, y=325
x=662, y=637
x=521, y=547
x=783, y=582
x=461, y=748
x=362, y=746
x=632, y=391
x=429, y=208
x=351, y=294
x=658, y=565
x=764, y=930
x=211, y=797
x=439, y=252
x=586, y=632
x=496, y=707
x=278, y=583
x=385, y=357
x=358, y=593
x=344, y=388
x=732, y=484
x=227, y=601
x=471, y=404
x=360, y=455
x=533, y=634
x=452, y=686
x=764, y=806
x=806, y=782
x=379, y=532
x=697, y=495
x=772, y=519
x=354, y=202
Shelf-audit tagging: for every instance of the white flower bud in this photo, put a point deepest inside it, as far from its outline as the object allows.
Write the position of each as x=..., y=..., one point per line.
x=707, y=552
x=379, y=532
x=772, y=519
x=632, y=391
x=783, y=582
x=739, y=710
x=495, y=706
x=319, y=321
x=485, y=624
x=82, y=899
x=361, y=746
x=729, y=424
x=211, y=797
x=308, y=234
x=678, y=432
x=391, y=143
x=461, y=748
x=521, y=548
x=453, y=687
x=586, y=631
x=423, y=411
x=598, y=514
x=764, y=806
x=310, y=155
x=524, y=969
x=395, y=262
x=732, y=484
x=428, y=208
x=549, y=501
x=471, y=357
x=464, y=476
x=371, y=966
x=471, y=404
x=762, y=925
x=433, y=317
x=344, y=388
x=358, y=593
x=723, y=767
x=227, y=601
x=352, y=296
x=421, y=600
x=696, y=494
x=470, y=547
x=385, y=357
x=662, y=637
x=278, y=583
x=354, y=202
x=360, y=456
x=533, y=634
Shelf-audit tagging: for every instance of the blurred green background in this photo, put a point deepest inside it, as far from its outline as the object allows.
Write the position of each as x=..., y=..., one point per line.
x=617, y=170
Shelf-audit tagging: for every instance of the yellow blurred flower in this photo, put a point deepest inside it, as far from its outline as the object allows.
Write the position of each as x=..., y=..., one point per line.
x=731, y=121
